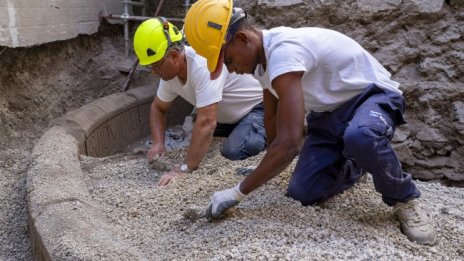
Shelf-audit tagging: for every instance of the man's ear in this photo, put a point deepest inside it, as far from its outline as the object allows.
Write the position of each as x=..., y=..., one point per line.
x=242, y=36
x=173, y=53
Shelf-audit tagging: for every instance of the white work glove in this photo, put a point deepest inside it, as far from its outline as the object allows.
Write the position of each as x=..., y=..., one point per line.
x=222, y=200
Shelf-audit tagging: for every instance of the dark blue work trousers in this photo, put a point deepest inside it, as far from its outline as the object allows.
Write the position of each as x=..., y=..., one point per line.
x=246, y=138
x=341, y=145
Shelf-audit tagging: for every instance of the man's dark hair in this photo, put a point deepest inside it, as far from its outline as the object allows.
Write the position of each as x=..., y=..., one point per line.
x=178, y=46
x=246, y=24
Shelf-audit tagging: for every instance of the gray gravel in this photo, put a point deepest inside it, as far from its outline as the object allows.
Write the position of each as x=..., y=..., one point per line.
x=266, y=225
x=14, y=235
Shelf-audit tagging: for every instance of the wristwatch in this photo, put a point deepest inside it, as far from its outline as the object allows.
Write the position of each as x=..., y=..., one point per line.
x=184, y=168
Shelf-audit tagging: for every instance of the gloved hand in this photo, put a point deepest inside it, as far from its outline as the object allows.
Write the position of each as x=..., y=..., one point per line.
x=222, y=200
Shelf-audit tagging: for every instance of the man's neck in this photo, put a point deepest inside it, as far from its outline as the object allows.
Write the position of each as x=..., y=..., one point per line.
x=183, y=68
x=260, y=47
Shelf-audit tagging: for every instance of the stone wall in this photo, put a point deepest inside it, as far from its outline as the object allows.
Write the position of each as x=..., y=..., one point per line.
x=421, y=43
x=31, y=22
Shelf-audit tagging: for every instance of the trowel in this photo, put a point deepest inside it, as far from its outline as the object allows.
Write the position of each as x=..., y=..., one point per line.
x=194, y=215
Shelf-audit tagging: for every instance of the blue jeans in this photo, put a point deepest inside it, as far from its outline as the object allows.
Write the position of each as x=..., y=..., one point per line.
x=343, y=144
x=246, y=138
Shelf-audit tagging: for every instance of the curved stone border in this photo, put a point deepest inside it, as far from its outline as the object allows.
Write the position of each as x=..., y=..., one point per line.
x=63, y=221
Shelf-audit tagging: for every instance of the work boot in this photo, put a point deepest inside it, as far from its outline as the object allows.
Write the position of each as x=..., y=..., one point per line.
x=415, y=224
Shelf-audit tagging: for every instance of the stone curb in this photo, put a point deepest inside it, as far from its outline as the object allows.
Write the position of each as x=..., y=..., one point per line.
x=63, y=221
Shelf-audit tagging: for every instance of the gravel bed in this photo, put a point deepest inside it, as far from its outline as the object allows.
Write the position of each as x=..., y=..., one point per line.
x=266, y=225
x=14, y=232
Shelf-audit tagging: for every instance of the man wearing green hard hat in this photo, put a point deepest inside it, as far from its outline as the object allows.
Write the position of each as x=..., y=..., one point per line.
x=229, y=106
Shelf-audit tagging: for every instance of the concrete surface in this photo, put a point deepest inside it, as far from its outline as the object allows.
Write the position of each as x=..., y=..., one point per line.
x=30, y=22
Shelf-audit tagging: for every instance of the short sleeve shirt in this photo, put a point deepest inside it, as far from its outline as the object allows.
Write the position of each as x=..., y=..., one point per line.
x=336, y=68
x=235, y=94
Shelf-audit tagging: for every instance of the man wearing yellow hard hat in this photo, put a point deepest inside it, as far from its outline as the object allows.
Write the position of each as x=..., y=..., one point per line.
x=352, y=107
x=229, y=106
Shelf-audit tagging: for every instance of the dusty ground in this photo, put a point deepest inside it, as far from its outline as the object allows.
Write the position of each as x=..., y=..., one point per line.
x=266, y=225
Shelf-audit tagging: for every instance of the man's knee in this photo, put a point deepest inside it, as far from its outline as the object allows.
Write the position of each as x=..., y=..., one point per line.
x=306, y=196
x=255, y=144
x=252, y=146
x=231, y=153
x=361, y=140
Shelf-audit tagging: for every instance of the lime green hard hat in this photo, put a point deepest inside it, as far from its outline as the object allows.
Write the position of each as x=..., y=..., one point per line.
x=153, y=38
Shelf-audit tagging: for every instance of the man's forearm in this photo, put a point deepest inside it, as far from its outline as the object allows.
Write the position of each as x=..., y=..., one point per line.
x=202, y=136
x=270, y=128
x=270, y=112
x=157, y=125
x=279, y=155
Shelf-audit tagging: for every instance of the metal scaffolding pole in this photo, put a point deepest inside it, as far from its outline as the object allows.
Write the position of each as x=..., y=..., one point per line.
x=187, y=5
x=126, y=17
x=138, y=18
x=126, y=28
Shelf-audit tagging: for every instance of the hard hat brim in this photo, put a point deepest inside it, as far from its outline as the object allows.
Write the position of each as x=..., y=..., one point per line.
x=217, y=65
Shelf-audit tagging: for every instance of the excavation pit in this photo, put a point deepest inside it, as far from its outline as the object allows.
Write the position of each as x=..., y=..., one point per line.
x=87, y=203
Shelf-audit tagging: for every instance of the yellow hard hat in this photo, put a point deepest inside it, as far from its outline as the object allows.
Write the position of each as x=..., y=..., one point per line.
x=152, y=39
x=206, y=25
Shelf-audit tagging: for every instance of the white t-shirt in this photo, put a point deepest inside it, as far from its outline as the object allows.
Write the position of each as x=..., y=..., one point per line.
x=336, y=68
x=236, y=94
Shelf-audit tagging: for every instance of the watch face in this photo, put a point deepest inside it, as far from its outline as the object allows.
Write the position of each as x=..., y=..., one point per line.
x=184, y=168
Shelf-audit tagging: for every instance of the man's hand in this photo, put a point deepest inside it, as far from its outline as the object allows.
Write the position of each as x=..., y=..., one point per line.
x=175, y=173
x=155, y=152
x=222, y=200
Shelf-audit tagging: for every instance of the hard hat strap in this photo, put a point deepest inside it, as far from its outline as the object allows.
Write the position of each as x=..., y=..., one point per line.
x=165, y=24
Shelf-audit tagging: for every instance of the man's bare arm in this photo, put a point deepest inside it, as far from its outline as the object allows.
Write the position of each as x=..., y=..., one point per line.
x=157, y=119
x=202, y=135
x=289, y=131
x=270, y=113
